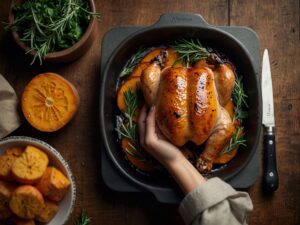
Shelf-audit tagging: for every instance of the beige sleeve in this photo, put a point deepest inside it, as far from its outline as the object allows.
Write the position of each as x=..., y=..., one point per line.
x=215, y=202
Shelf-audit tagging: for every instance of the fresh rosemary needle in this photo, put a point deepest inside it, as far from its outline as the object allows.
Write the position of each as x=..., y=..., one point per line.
x=83, y=219
x=128, y=128
x=190, y=51
x=133, y=61
x=236, y=140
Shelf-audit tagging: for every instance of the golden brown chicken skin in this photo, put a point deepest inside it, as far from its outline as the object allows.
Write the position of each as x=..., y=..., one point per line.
x=189, y=105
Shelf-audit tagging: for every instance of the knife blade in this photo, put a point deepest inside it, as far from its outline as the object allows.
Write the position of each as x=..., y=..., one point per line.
x=270, y=175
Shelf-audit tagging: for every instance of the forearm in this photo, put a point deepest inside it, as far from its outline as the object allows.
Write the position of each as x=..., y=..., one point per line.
x=185, y=174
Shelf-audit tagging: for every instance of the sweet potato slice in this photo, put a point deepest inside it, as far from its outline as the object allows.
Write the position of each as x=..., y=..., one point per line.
x=6, y=191
x=151, y=55
x=134, y=160
x=30, y=166
x=48, y=212
x=49, y=102
x=6, y=163
x=132, y=83
x=54, y=184
x=172, y=59
x=20, y=221
x=15, y=151
x=137, y=72
x=26, y=202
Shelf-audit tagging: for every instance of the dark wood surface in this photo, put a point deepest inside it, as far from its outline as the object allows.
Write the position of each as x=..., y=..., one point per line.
x=277, y=25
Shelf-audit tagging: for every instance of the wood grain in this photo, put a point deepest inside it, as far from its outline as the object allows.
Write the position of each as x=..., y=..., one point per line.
x=277, y=24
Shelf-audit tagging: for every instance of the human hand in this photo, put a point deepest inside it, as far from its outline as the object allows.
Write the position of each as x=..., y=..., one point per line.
x=184, y=173
x=153, y=141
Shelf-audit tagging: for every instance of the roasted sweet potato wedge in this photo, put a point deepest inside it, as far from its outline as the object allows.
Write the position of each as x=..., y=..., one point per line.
x=6, y=163
x=30, y=166
x=26, y=202
x=48, y=212
x=54, y=184
x=6, y=191
x=15, y=151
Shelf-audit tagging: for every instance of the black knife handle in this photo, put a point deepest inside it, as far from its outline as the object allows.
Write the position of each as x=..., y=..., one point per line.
x=270, y=176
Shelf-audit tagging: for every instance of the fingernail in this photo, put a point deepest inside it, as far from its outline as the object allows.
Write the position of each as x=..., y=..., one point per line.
x=152, y=108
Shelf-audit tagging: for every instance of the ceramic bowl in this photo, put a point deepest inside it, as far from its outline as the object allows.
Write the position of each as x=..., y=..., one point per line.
x=67, y=204
x=66, y=55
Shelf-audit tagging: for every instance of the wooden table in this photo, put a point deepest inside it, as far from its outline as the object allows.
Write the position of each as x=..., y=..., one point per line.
x=277, y=25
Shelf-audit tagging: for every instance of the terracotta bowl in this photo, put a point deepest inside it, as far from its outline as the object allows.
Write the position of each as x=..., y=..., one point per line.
x=66, y=55
x=55, y=159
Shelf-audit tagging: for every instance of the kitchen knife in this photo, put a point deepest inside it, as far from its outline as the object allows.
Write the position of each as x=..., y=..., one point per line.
x=270, y=176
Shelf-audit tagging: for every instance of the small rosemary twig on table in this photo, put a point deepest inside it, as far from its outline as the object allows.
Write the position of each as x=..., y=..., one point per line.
x=83, y=219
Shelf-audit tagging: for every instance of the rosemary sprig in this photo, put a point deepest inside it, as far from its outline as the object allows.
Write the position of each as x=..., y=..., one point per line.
x=133, y=61
x=239, y=100
x=236, y=140
x=190, y=51
x=128, y=127
x=48, y=26
x=83, y=219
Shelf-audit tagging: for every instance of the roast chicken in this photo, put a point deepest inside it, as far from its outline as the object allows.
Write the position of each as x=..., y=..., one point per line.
x=190, y=104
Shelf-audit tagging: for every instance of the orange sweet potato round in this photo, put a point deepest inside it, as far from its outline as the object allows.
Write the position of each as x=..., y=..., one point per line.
x=54, y=184
x=49, y=102
x=48, y=212
x=26, y=202
x=132, y=83
x=140, y=164
x=6, y=163
x=30, y=166
x=6, y=191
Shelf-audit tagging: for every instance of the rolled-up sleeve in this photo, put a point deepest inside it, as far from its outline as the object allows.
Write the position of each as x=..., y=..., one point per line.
x=215, y=202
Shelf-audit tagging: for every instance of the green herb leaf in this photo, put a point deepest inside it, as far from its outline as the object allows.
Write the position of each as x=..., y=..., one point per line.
x=84, y=219
x=236, y=140
x=48, y=26
x=239, y=100
x=189, y=50
x=133, y=61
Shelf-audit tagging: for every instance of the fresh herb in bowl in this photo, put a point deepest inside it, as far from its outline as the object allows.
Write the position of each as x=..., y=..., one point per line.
x=50, y=26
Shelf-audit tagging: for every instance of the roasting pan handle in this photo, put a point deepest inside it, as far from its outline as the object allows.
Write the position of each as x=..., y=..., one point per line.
x=177, y=19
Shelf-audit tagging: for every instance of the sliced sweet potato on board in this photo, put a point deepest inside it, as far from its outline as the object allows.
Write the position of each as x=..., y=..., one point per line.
x=6, y=163
x=26, y=202
x=49, y=102
x=54, y=184
x=15, y=151
x=132, y=83
x=6, y=191
x=48, y=212
x=30, y=166
x=135, y=160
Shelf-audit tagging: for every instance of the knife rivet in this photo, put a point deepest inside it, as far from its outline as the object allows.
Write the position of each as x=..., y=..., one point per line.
x=271, y=174
x=270, y=142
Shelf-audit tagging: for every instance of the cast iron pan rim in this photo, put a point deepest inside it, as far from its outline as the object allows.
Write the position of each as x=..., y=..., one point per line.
x=102, y=99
